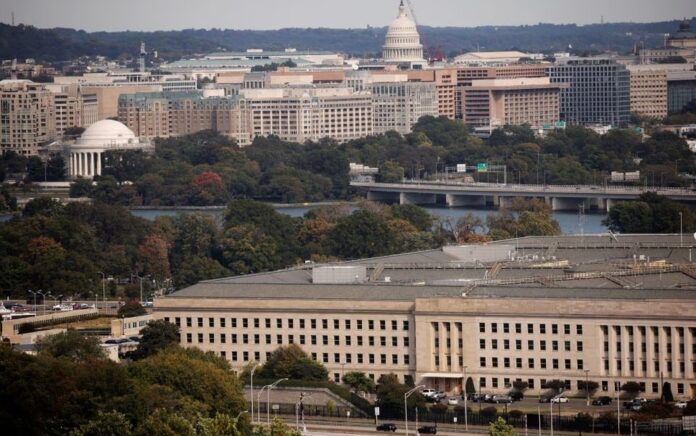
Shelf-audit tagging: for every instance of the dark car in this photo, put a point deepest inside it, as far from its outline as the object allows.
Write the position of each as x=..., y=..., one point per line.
x=545, y=399
x=387, y=426
x=427, y=429
x=601, y=401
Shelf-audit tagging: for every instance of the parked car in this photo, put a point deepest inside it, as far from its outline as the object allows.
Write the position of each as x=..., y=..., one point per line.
x=601, y=401
x=476, y=398
x=680, y=404
x=387, y=426
x=452, y=401
x=559, y=399
x=427, y=429
x=501, y=399
x=544, y=399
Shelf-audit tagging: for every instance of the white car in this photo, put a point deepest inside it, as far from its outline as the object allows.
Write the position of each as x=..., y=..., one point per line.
x=452, y=401
x=680, y=404
x=559, y=399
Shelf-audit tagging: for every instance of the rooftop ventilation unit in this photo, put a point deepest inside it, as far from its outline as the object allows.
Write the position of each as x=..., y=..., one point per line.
x=336, y=275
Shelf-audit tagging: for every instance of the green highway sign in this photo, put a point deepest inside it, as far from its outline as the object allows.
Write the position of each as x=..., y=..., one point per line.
x=482, y=167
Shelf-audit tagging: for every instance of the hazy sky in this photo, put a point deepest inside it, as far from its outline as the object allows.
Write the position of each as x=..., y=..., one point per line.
x=273, y=14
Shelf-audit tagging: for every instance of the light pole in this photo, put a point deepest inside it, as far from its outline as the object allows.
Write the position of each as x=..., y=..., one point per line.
x=252, y=390
x=406, y=395
x=240, y=414
x=587, y=388
x=681, y=229
x=34, y=294
x=300, y=405
x=466, y=404
x=43, y=300
x=268, y=399
x=258, y=403
x=103, y=288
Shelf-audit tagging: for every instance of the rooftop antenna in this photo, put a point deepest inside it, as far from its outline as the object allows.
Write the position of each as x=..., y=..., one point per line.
x=13, y=19
x=14, y=69
x=602, y=20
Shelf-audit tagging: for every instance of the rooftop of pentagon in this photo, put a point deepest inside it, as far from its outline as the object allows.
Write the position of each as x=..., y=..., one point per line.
x=588, y=267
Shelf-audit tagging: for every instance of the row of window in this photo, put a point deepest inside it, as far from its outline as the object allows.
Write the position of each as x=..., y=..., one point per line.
x=341, y=359
x=495, y=382
x=618, y=366
x=644, y=347
x=530, y=328
x=567, y=345
x=518, y=363
x=290, y=323
x=268, y=339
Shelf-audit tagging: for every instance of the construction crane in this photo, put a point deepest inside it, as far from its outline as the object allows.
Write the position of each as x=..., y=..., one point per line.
x=415, y=20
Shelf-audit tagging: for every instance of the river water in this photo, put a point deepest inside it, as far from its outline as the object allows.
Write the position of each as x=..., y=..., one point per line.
x=570, y=222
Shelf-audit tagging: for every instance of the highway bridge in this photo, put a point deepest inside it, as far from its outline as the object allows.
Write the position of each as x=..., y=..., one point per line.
x=482, y=195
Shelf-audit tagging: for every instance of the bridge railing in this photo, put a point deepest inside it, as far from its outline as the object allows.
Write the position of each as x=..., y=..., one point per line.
x=532, y=187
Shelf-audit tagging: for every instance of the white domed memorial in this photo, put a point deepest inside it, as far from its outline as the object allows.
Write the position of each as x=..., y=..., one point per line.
x=402, y=43
x=86, y=154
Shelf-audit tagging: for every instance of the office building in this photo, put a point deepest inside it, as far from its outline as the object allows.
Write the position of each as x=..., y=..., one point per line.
x=73, y=108
x=501, y=102
x=498, y=313
x=648, y=91
x=598, y=91
x=27, y=116
x=680, y=44
x=308, y=114
x=681, y=89
x=490, y=58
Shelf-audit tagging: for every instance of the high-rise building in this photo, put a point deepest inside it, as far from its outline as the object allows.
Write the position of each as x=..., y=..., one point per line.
x=500, y=102
x=73, y=108
x=302, y=114
x=681, y=89
x=27, y=116
x=598, y=91
x=402, y=43
x=398, y=105
x=648, y=91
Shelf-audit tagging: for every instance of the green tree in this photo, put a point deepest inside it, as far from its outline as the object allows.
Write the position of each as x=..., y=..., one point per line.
x=390, y=396
x=162, y=423
x=277, y=428
x=500, y=428
x=361, y=234
x=202, y=377
x=359, y=381
x=417, y=216
x=292, y=362
x=81, y=188
x=667, y=395
x=105, y=424
x=222, y=425
x=589, y=387
x=157, y=335
x=632, y=389
x=130, y=309
x=470, y=387
x=72, y=345
x=390, y=172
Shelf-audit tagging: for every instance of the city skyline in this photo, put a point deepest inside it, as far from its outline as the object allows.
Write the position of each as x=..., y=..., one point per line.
x=272, y=14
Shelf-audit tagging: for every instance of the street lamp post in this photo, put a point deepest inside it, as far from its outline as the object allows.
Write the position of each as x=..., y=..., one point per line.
x=34, y=294
x=406, y=395
x=681, y=230
x=268, y=399
x=258, y=403
x=252, y=390
x=466, y=404
x=587, y=388
x=103, y=288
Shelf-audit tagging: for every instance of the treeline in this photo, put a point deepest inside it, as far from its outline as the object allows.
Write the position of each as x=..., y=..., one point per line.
x=68, y=249
x=61, y=44
x=207, y=169
x=71, y=388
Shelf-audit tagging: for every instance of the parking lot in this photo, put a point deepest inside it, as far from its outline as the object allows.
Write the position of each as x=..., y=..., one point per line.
x=532, y=405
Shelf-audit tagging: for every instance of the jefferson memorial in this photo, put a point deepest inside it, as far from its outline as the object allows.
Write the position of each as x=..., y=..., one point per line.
x=402, y=44
x=87, y=153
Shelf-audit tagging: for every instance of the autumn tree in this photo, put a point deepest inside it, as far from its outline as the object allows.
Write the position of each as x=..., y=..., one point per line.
x=154, y=257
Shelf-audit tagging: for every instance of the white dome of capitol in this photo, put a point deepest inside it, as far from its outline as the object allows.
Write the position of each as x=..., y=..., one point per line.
x=402, y=42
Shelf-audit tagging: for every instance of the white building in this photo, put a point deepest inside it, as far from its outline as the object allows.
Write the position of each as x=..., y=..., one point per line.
x=87, y=153
x=402, y=43
x=490, y=58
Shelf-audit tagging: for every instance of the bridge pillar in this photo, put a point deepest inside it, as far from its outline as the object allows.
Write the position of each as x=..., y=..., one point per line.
x=465, y=200
x=383, y=197
x=566, y=203
x=416, y=198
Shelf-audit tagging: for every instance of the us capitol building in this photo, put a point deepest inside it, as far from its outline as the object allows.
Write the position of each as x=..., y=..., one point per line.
x=402, y=44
